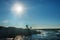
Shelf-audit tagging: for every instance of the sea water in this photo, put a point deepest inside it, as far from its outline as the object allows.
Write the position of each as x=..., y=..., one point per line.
x=47, y=35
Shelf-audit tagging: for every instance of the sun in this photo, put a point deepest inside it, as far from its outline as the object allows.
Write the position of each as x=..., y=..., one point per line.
x=18, y=8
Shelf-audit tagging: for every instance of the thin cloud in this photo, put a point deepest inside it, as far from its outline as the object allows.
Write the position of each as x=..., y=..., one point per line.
x=5, y=21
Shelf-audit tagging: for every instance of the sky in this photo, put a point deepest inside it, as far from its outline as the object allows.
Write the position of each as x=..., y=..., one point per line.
x=38, y=13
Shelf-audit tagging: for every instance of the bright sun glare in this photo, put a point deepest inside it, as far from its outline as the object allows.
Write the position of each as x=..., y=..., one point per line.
x=18, y=9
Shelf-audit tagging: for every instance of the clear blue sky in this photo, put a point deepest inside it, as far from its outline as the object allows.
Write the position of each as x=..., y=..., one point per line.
x=39, y=13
